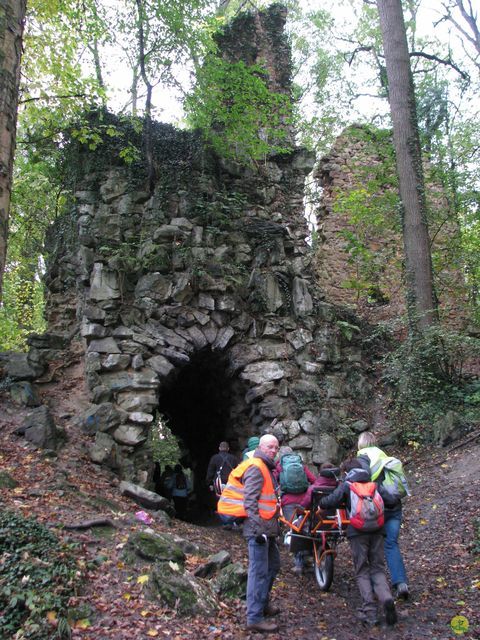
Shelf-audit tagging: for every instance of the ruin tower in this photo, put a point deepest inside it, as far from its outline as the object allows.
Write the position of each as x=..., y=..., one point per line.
x=197, y=300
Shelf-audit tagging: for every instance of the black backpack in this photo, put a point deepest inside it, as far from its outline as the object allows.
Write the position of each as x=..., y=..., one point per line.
x=218, y=483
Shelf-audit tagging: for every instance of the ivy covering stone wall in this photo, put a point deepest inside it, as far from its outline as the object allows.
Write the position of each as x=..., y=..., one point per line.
x=213, y=260
x=360, y=256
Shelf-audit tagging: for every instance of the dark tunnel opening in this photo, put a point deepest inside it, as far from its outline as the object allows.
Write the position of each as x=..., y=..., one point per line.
x=197, y=403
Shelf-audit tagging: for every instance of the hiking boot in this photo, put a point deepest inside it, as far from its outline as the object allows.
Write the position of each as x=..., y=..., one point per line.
x=368, y=619
x=264, y=626
x=390, y=612
x=401, y=590
x=271, y=610
x=370, y=622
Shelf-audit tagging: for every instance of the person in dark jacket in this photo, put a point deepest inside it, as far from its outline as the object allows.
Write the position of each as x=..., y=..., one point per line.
x=261, y=534
x=368, y=453
x=367, y=552
x=222, y=462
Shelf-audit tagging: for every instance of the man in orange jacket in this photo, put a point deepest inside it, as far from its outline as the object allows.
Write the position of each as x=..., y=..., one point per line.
x=252, y=492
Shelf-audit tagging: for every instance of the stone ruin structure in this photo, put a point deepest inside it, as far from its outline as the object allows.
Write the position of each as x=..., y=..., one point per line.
x=197, y=299
x=362, y=155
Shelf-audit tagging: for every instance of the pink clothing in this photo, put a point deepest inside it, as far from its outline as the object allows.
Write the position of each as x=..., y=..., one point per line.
x=294, y=498
x=320, y=482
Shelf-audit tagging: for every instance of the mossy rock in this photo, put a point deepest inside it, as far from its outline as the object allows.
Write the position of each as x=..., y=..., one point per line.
x=231, y=581
x=189, y=547
x=179, y=589
x=6, y=481
x=81, y=612
x=152, y=547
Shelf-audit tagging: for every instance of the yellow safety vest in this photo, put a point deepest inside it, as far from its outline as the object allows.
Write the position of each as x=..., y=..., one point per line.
x=377, y=458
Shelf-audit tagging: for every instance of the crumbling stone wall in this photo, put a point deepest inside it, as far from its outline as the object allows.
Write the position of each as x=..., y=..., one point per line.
x=213, y=263
x=360, y=156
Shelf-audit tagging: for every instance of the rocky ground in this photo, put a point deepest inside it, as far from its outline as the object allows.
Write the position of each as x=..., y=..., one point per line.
x=439, y=539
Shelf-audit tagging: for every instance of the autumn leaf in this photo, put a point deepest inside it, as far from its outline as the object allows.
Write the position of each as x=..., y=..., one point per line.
x=143, y=579
x=83, y=624
x=52, y=617
x=153, y=633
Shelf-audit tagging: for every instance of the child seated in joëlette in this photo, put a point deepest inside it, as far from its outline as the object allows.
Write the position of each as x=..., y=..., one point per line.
x=322, y=481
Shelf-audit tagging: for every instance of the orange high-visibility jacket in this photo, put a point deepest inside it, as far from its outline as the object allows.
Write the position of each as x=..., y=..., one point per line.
x=231, y=502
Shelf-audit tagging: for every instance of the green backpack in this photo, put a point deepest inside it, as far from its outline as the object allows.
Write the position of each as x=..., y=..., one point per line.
x=293, y=478
x=394, y=483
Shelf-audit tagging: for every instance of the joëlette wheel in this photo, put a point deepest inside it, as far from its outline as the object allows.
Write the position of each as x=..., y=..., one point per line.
x=323, y=567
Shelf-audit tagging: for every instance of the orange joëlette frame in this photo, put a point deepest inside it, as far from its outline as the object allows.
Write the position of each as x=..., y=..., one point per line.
x=332, y=522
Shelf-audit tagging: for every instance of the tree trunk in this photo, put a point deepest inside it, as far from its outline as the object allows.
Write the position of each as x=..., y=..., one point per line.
x=12, y=18
x=421, y=301
x=148, y=99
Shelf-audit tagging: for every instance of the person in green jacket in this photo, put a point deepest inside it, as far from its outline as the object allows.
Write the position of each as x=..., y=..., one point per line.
x=252, y=444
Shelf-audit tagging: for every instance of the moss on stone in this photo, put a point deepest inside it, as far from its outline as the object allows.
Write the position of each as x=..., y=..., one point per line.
x=178, y=589
x=152, y=547
x=6, y=481
x=231, y=582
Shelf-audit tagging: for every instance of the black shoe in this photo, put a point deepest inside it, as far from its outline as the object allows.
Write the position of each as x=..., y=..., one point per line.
x=401, y=590
x=390, y=612
x=368, y=620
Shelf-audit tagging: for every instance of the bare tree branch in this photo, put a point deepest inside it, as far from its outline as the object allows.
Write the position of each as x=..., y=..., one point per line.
x=448, y=62
x=357, y=50
x=48, y=98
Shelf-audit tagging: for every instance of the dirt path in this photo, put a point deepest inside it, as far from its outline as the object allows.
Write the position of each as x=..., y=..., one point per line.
x=437, y=539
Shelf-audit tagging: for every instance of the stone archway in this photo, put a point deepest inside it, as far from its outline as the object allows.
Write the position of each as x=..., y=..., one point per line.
x=203, y=405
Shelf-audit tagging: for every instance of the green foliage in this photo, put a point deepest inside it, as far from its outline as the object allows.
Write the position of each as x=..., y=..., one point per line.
x=371, y=205
x=347, y=329
x=219, y=211
x=37, y=575
x=22, y=310
x=429, y=376
x=164, y=445
x=237, y=112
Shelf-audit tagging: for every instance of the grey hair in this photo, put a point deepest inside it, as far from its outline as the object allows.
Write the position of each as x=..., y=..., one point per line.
x=367, y=439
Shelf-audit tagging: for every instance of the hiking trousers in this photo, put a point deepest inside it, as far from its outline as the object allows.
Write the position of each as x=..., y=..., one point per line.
x=369, y=565
x=263, y=566
x=393, y=555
